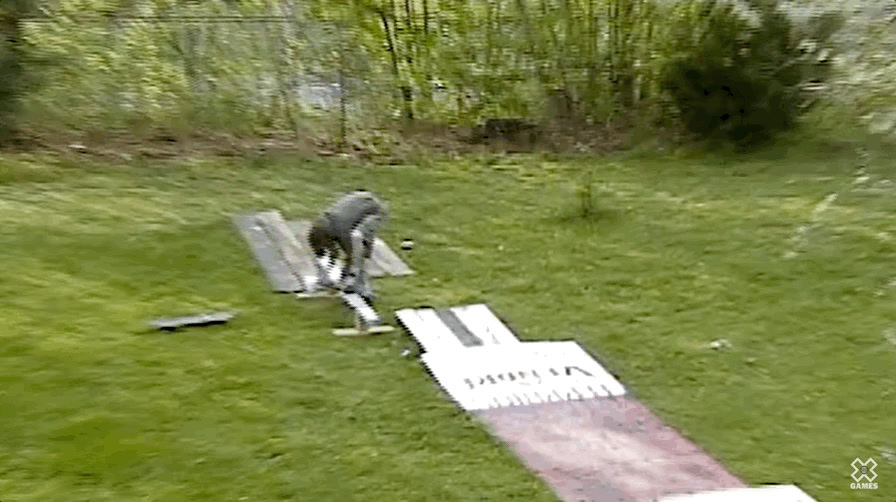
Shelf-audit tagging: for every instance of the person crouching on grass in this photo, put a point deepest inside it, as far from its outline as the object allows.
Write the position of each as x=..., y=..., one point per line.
x=347, y=227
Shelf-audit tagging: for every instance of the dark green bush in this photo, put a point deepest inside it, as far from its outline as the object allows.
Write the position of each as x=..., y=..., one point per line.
x=12, y=65
x=737, y=81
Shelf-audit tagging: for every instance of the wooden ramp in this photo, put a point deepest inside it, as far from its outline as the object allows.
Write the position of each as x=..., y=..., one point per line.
x=565, y=416
x=257, y=233
x=281, y=251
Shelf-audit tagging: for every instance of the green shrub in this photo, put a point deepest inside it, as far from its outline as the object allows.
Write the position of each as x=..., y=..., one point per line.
x=11, y=67
x=739, y=79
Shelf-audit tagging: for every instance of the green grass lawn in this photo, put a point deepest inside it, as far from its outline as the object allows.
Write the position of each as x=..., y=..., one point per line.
x=273, y=407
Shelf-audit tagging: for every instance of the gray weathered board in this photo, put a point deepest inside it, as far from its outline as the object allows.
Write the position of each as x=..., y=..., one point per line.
x=279, y=248
x=266, y=254
x=293, y=250
x=194, y=320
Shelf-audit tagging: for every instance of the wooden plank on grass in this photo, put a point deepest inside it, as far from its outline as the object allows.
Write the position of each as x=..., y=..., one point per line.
x=372, y=330
x=266, y=254
x=293, y=251
x=195, y=320
x=484, y=324
x=299, y=229
x=388, y=260
x=374, y=268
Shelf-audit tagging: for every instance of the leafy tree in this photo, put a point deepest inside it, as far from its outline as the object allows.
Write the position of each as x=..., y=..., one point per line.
x=455, y=61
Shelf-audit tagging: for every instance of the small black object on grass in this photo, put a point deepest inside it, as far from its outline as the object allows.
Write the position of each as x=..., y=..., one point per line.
x=172, y=323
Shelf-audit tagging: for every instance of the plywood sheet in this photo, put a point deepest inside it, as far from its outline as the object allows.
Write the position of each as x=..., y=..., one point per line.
x=267, y=255
x=172, y=323
x=294, y=252
x=388, y=260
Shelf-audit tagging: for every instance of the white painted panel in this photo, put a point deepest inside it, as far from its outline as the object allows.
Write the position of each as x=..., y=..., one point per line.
x=428, y=329
x=584, y=371
x=777, y=493
x=483, y=323
x=478, y=377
